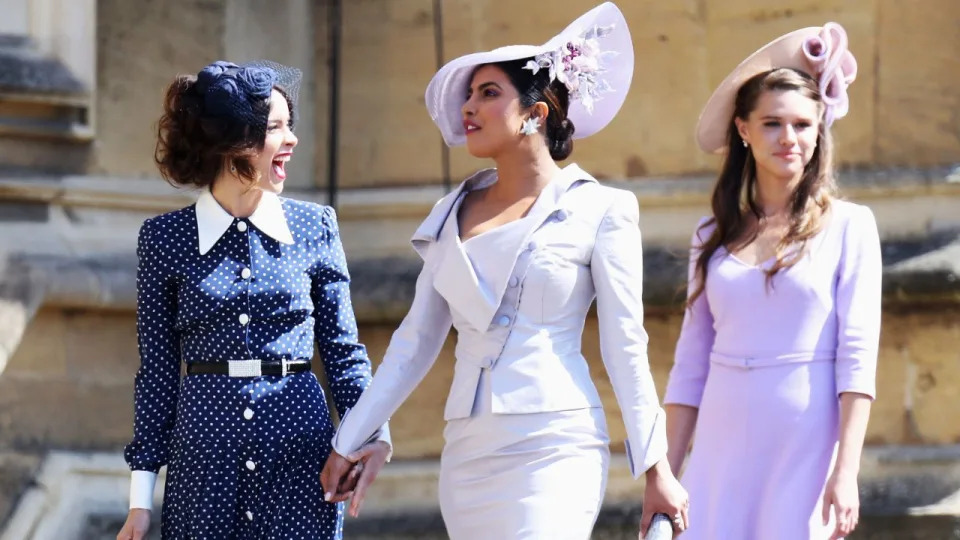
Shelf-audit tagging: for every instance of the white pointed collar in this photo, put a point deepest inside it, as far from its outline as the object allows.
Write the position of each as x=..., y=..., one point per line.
x=213, y=221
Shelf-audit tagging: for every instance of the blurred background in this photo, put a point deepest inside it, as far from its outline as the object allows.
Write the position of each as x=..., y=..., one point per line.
x=81, y=85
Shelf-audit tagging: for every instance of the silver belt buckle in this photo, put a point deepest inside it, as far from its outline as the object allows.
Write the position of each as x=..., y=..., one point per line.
x=283, y=367
x=244, y=368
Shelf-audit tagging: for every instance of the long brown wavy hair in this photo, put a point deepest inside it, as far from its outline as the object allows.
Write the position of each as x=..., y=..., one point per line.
x=734, y=196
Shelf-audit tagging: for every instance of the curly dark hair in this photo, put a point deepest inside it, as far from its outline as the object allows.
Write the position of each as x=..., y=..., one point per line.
x=193, y=147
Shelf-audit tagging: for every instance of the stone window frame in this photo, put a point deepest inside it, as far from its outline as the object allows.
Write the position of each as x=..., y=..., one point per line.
x=56, y=47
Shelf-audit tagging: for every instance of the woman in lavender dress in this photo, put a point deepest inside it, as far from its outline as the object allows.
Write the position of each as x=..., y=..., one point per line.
x=776, y=361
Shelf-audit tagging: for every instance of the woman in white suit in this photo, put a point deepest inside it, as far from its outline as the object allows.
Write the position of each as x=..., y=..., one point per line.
x=513, y=259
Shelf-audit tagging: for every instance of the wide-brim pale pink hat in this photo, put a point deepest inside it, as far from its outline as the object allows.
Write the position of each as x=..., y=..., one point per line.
x=818, y=51
x=596, y=96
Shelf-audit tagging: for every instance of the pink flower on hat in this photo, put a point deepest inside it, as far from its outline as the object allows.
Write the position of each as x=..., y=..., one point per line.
x=835, y=67
x=577, y=64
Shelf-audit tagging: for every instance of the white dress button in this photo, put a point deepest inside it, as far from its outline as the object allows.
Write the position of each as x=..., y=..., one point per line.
x=503, y=321
x=248, y=413
x=562, y=214
x=242, y=226
x=532, y=246
x=514, y=281
x=249, y=515
x=244, y=319
x=251, y=465
x=245, y=273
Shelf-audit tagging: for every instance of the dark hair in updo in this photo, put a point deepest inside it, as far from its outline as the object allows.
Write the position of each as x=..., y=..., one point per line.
x=533, y=88
x=193, y=147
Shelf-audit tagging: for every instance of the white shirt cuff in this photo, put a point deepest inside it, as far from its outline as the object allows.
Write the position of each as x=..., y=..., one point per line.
x=141, y=489
x=385, y=437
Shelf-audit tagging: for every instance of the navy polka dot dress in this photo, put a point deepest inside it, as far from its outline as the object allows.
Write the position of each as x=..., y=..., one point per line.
x=243, y=455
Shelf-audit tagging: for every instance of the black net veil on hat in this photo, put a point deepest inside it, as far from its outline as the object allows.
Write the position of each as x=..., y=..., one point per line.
x=288, y=78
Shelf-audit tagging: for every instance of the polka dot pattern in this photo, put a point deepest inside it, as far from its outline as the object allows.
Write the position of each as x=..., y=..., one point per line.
x=243, y=454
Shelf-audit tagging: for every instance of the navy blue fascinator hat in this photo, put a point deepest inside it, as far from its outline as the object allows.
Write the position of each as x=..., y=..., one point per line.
x=238, y=92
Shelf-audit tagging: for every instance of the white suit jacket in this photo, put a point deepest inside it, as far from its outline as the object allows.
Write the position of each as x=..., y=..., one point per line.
x=524, y=321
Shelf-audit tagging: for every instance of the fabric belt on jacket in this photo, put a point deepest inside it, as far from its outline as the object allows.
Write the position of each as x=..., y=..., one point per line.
x=752, y=362
x=249, y=368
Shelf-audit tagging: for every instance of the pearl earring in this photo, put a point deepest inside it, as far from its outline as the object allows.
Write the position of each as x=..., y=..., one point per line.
x=745, y=144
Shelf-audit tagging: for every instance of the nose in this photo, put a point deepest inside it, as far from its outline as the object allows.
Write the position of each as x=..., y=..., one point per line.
x=290, y=139
x=788, y=135
x=468, y=109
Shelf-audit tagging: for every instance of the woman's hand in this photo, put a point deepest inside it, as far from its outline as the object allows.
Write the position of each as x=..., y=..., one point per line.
x=135, y=528
x=664, y=495
x=843, y=495
x=370, y=458
x=349, y=477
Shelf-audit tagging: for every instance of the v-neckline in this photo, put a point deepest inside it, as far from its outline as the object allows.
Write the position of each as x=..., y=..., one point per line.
x=813, y=245
x=459, y=205
x=759, y=266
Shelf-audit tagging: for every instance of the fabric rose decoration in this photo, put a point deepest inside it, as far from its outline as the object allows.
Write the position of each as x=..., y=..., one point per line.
x=578, y=65
x=835, y=68
x=230, y=90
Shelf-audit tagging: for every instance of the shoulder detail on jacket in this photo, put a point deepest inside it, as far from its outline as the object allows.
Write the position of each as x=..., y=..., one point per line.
x=617, y=202
x=308, y=212
x=309, y=208
x=168, y=219
x=145, y=236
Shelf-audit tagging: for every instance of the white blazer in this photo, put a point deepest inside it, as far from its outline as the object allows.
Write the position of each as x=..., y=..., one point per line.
x=525, y=319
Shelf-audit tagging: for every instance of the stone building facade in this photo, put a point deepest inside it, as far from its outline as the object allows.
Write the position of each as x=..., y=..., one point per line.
x=77, y=179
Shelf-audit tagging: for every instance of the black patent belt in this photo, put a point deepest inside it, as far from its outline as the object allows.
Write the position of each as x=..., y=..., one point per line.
x=249, y=368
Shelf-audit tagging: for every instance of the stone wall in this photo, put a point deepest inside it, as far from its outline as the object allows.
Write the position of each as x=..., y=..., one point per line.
x=904, y=104
x=69, y=210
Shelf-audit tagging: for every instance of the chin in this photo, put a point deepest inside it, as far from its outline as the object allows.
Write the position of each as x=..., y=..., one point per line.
x=793, y=172
x=479, y=150
x=785, y=173
x=271, y=187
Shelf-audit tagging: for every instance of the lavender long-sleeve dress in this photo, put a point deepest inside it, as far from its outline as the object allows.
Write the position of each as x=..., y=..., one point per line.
x=765, y=368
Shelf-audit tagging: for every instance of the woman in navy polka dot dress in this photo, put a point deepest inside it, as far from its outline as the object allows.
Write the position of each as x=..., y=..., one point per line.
x=238, y=287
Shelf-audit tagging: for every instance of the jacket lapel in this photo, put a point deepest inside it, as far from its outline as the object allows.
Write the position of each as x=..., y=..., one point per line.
x=429, y=230
x=455, y=278
x=510, y=246
x=476, y=298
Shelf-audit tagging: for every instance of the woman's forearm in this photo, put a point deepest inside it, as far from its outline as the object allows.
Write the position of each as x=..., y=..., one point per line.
x=681, y=422
x=854, y=414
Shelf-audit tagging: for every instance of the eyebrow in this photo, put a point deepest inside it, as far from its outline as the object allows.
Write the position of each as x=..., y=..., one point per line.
x=481, y=86
x=774, y=117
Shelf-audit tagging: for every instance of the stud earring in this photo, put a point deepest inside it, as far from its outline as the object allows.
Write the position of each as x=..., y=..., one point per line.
x=530, y=126
x=745, y=144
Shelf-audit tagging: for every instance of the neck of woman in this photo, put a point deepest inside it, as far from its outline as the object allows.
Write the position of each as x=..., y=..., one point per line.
x=521, y=174
x=236, y=197
x=774, y=194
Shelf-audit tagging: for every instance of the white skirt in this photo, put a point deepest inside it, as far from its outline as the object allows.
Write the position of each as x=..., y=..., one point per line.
x=523, y=476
